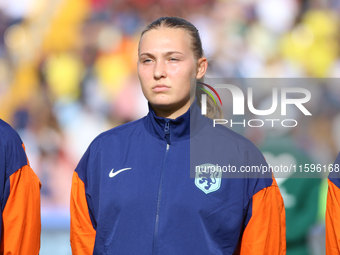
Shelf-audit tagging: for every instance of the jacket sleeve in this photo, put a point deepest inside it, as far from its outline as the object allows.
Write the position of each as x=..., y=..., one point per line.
x=82, y=232
x=265, y=232
x=333, y=211
x=333, y=219
x=21, y=213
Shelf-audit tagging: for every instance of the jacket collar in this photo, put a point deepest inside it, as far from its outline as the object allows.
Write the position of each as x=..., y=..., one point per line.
x=181, y=128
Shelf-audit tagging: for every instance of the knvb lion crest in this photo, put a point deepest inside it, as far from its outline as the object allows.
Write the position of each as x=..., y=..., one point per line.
x=207, y=178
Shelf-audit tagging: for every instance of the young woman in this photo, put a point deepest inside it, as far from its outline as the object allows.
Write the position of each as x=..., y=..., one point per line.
x=132, y=192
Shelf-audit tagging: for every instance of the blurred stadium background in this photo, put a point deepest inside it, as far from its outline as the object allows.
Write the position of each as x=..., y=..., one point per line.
x=68, y=73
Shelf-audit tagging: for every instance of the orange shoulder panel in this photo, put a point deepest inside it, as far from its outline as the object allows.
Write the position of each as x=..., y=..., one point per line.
x=82, y=232
x=333, y=220
x=21, y=215
x=265, y=232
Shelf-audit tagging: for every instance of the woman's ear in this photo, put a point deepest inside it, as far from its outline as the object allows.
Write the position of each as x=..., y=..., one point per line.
x=202, y=65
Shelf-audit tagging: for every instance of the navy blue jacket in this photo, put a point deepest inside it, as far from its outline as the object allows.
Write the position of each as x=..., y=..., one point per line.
x=334, y=175
x=333, y=210
x=19, y=197
x=150, y=205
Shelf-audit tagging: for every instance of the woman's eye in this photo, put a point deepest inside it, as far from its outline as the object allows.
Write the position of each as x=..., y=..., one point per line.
x=146, y=60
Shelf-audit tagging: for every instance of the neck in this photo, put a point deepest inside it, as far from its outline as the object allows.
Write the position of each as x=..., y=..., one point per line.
x=171, y=113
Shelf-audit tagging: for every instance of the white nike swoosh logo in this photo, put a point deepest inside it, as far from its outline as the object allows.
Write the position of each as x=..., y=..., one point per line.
x=113, y=174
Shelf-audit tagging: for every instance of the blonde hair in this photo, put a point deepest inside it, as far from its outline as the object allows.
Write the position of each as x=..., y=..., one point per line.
x=213, y=111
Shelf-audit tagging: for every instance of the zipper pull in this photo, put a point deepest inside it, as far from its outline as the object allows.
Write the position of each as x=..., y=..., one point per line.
x=167, y=131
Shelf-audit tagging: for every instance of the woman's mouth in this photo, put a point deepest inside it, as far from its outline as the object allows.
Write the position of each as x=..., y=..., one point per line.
x=160, y=88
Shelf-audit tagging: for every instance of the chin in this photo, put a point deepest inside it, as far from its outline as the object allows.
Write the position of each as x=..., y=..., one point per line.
x=161, y=101
x=162, y=105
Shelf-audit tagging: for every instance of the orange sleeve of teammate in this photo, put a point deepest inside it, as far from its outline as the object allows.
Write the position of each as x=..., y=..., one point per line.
x=82, y=232
x=265, y=232
x=21, y=215
x=333, y=219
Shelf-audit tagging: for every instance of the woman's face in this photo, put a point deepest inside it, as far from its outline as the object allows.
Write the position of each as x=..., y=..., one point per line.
x=166, y=65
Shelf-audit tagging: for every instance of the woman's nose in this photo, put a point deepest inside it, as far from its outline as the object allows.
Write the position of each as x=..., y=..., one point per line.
x=159, y=70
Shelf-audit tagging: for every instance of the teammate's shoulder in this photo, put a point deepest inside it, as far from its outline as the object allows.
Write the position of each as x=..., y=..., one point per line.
x=6, y=129
x=334, y=175
x=11, y=143
x=8, y=134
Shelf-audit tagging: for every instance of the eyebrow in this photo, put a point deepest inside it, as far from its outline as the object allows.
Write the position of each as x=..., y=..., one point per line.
x=164, y=54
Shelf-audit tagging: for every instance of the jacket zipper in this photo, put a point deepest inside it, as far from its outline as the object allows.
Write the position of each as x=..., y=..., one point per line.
x=167, y=137
x=167, y=132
